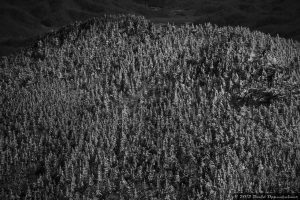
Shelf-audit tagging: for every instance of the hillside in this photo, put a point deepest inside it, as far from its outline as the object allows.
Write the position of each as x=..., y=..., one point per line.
x=119, y=108
x=23, y=21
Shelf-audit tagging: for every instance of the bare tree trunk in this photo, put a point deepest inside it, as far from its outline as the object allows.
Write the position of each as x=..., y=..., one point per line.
x=146, y=3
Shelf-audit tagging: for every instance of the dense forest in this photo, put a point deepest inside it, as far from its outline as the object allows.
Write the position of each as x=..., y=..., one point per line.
x=120, y=108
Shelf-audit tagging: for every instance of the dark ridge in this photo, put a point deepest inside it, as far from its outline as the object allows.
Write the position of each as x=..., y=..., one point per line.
x=74, y=32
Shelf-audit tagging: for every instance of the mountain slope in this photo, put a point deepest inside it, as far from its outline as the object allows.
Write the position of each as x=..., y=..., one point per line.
x=118, y=107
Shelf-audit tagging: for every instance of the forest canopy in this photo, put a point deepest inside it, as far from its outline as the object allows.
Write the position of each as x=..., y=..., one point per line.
x=120, y=108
